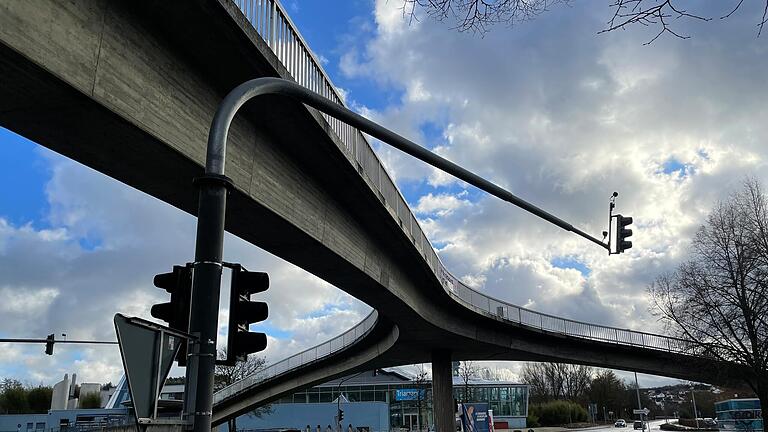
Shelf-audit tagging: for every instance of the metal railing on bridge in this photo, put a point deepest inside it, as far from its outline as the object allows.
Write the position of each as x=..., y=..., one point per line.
x=307, y=356
x=273, y=24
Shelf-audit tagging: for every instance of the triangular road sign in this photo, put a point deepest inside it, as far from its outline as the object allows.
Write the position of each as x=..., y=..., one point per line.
x=148, y=351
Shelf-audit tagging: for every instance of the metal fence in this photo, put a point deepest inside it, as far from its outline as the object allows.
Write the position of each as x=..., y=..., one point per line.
x=274, y=25
x=310, y=355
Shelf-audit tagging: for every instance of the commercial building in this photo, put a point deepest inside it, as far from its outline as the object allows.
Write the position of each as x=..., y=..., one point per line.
x=383, y=400
x=739, y=415
x=387, y=400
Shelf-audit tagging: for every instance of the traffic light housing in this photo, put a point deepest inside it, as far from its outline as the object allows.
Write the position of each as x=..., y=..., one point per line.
x=176, y=312
x=49, y=344
x=243, y=312
x=340, y=415
x=623, y=232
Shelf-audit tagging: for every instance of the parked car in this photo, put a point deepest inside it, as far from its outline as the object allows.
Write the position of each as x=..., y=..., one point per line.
x=620, y=423
x=640, y=425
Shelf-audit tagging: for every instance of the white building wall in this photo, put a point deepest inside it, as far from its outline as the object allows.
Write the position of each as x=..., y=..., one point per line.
x=60, y=394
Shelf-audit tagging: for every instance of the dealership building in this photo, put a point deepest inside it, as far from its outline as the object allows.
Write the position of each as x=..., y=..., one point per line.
x=386, y=400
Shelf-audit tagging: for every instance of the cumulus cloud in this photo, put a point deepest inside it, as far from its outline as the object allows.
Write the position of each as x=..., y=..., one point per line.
x=563, y=117
x=104, y=243
x=549, y=110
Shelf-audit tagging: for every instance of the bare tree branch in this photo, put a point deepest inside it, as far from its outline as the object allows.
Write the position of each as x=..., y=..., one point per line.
x=478, y=16
x=719, y=297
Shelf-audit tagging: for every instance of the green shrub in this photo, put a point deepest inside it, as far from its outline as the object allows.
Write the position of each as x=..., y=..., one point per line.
x=90, y=400
x=532, y=420
x=557, y=413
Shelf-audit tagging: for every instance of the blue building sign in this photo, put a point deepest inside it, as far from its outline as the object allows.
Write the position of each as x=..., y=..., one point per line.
x=409, y=394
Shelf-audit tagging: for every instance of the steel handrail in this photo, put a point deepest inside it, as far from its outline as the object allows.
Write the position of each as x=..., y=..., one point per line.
x=309, y=355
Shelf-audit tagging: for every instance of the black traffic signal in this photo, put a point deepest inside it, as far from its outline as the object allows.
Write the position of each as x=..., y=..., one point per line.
x=243, y=312
x=49, y=344
x=622, y=242
x=175, y=312
x=341, y=415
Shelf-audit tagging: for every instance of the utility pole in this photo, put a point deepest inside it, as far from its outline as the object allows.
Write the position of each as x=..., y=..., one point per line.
x=695, y=411
x=639, y=405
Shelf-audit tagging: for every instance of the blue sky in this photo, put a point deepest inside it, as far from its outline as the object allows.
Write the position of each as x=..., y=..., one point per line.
x=549, y=109
x=23, y=177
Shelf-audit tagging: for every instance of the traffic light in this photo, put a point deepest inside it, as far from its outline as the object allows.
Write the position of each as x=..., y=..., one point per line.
x=341, y=415
x=49, y=344
x=622, y=242
x=243, y=312
x=176, y=312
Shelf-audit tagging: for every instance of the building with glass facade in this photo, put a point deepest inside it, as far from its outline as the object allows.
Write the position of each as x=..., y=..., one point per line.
x=392, y=393
x=739, y=415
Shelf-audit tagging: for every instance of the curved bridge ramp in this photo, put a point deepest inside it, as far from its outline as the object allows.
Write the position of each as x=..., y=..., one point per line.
x=357, y=349
x=130, y=88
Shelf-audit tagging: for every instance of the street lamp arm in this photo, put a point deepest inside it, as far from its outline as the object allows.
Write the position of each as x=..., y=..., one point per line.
x=276, y=86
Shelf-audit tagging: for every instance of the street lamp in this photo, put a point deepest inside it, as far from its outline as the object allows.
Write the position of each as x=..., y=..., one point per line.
x=695, y=411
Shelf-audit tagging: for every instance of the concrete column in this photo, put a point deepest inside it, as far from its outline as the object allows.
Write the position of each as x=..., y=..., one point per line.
x=442, y=391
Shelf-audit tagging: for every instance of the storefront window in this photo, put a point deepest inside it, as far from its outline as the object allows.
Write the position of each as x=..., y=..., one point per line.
x=313, y=396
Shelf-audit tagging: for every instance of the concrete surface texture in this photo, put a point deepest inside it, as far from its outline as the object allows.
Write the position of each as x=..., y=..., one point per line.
x=130, y=88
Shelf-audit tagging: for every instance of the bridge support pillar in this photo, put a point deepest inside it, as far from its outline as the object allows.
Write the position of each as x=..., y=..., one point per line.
x=442, y=391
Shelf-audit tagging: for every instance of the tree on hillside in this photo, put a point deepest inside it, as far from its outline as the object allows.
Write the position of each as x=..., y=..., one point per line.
x=39, y=399
x=551, y=381
x=13, y=397
x=608, y=391
x=227, y=375
x=479, y=15
x=718, y=298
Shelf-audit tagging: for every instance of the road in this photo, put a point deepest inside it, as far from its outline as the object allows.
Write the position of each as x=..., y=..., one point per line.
x=654, y=427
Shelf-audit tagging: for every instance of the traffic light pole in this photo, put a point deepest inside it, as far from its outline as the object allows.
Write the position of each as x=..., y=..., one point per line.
x=204, y=309
x=281, y=87
x=210, y=223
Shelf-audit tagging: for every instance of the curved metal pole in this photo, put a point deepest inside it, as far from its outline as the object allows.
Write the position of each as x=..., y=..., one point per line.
x=262, y=86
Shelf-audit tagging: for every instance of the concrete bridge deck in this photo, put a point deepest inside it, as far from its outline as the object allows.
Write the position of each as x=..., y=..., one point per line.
x=130, y=88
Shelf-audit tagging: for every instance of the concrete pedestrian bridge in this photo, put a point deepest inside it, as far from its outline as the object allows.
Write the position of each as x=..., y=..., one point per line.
x=130, y=88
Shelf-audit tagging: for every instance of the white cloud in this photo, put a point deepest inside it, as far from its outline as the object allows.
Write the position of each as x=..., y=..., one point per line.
x=563, y=117
x=52, y=284
x=441, y=205
x=549, y=110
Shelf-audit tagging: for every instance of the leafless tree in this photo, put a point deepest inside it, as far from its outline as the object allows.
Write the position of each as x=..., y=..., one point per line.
x=420, y=380
x=550, y=381
x=718, y=298
x=479, y=15
x=467, y=370
x=227, y=375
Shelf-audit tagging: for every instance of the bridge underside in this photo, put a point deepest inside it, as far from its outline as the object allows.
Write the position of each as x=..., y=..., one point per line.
x=130, y=88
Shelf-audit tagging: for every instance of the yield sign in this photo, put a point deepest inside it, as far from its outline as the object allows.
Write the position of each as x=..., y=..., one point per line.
x=148, y=351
